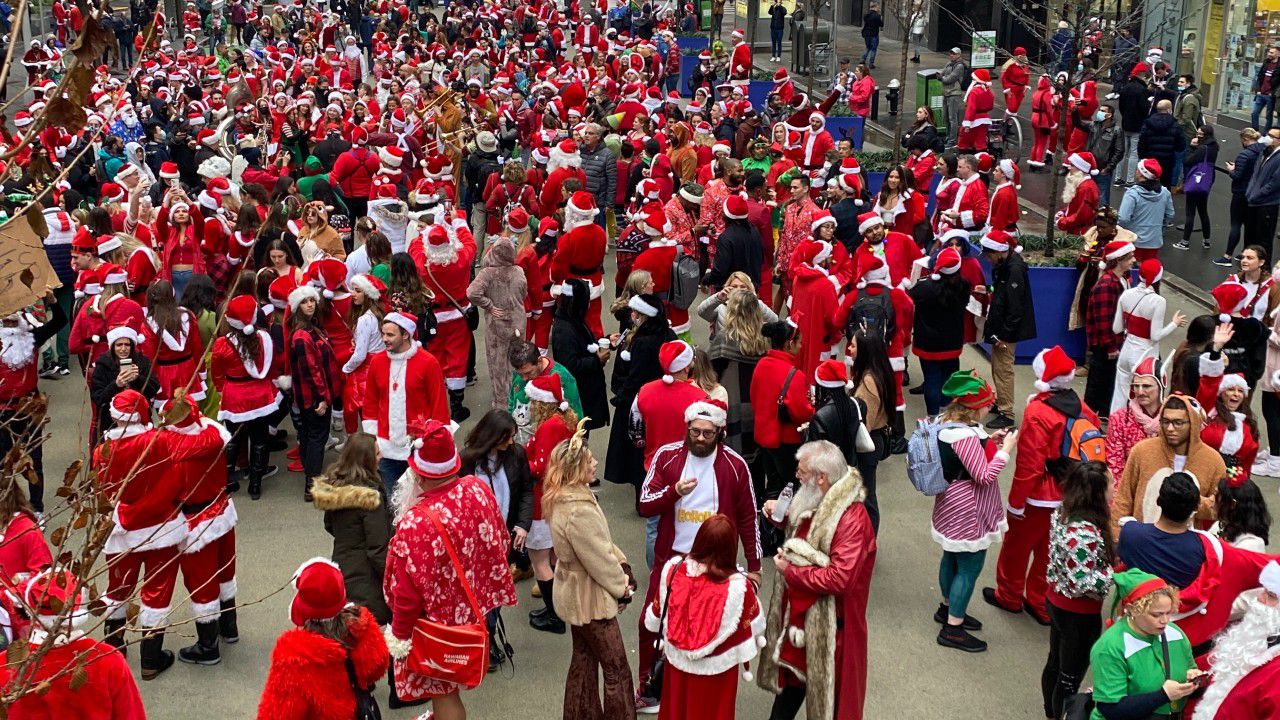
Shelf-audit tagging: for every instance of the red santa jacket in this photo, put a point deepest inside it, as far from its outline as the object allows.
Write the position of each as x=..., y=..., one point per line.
x=419, y=395
x=1039, y=443
x=208, y=510
x=766, y=389
x=813, y=149
x=740, y=62
x=308, y=677
x=657, y=260
x=735, y=499
x=1081, y=211
x=899, y=252
x=710, y=626
x=1004, y=208
x=813, y=305
x=1014, y=80
x=922, y=168
x=660, y=406
x=971, y=203
x=247, y=386
x=109, y=693
x=580, y=254
x=978, y=102
x=448, y=282
x=353, y=171
x=1204, y=606
x=141, y=269
x=1256, y=696
x=904, y=313
x=134, y=470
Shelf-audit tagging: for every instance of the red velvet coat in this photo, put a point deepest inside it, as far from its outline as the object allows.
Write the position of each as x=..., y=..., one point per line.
x=109, y=694
x=1081, y=211
x=308, y=677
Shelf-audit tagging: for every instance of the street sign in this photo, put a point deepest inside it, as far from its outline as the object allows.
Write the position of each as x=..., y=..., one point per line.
x=983, y=54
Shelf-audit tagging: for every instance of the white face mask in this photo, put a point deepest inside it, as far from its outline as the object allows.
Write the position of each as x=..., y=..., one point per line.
x=1265, y=140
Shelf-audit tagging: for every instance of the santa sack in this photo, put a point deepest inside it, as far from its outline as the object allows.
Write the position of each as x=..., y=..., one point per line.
x=453, y=653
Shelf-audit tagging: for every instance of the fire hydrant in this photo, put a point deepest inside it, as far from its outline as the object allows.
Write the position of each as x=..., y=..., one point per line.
x=895, y=93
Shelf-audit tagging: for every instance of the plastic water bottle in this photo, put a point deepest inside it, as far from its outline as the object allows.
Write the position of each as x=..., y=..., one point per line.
x=784, y=502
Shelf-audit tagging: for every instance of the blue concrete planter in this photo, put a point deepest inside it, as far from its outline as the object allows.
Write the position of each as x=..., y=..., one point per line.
x=1053, y=288
x=758, y=92
x=846, y=126
x=693, y=42
x=688, y=63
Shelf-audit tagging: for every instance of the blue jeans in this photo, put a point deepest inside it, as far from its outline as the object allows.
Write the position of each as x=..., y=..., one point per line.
x=650, y=537
x=390, y=471
x=1104, y=189
x=873, y=44
x=1177, y=167
x=957, y=576
x=775, y=42
x=179, y=279
x=936, y=373
x=1263, y=101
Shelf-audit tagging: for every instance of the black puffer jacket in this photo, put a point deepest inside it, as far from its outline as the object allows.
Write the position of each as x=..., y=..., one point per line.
x=1161, y=138
x=1012, y=316
x=737, y=248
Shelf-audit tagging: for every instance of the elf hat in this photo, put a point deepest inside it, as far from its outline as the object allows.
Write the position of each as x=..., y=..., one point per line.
x=434, y=455
x=1132, y=585
x=831, y=374
x=674, y=356
x=1054, y=369
x=547, y=389
x=969, y=390
x=1230, y=296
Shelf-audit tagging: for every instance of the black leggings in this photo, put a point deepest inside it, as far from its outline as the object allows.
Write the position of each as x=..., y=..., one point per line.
x=1101, y=381
x=1071, y=636
x=1271, y=414
x=787, y=704
x=867, y=464
x=254, y=432
x=1196, y=202
x=1239, y=208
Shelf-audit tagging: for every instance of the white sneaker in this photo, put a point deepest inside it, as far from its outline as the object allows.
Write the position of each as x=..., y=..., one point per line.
x=1266, y=466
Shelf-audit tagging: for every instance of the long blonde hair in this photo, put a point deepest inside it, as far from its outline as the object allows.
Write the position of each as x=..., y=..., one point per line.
x=635, y=286
x=743, y=320
x=566, y=468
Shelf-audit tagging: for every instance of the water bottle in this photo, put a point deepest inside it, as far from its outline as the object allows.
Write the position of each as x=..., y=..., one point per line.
x=784, y=502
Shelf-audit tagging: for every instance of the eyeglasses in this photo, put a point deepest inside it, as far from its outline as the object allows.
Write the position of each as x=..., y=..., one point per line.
x=708, y=434
x=1167, y=422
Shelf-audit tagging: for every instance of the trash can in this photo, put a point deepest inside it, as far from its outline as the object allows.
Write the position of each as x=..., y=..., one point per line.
x=802, y=45
x=929, y=92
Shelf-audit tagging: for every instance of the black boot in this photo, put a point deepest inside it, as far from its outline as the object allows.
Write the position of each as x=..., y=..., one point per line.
x=306, y=490
x=548, y=621
x=155, y=659
x=205, y=651
x=113, y=635
x=257, y=469
x=233, y=478
x=393, y=700
x=227, y=622
x=457, y=410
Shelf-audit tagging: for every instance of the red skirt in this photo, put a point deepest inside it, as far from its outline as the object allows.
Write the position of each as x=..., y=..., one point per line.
x=174, y=377
x=686, y=696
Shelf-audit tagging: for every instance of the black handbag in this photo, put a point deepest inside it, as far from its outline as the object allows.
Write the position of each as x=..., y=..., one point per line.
x=366, y=705
x=653, y=684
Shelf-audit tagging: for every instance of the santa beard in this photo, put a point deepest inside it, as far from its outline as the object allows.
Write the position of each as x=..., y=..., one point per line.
x=442, y=254
x=129, y=119
x=560, y=159
x=575, y=218
x=1239, y=650
x=17, y=347
x=806, y=500
x=1073, y=183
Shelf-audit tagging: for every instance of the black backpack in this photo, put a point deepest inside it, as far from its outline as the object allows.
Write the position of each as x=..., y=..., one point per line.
x=874, y=313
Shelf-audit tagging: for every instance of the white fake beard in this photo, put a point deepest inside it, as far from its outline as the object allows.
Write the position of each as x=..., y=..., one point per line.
x=806, y=500
x=442, y=254
x=130, y=119
x=1073, y=183
x=17, y=347
x=574, y=218
x=1240, y=648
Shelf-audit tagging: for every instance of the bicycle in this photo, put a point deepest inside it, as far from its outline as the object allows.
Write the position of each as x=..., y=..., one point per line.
x=1004, y=138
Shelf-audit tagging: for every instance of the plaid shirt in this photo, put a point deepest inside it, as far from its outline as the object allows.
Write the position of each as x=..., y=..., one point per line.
x=1100, y=313
x=313, y=367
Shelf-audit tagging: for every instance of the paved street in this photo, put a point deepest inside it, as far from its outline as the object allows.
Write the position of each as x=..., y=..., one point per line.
x=909, y=675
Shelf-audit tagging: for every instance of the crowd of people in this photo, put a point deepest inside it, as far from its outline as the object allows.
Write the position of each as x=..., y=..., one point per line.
x=306, y=216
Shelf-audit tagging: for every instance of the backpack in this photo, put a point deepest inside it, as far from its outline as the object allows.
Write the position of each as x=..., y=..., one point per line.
x=1082, y=441
x=924, y=457
x=685, y=276
x=873, y=312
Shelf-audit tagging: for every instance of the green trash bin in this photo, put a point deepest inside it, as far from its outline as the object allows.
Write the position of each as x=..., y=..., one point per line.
x=929, y=92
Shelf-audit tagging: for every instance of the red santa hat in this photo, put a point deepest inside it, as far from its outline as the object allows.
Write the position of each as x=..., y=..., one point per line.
x=868, y=220
x=850, y=166
x=780, y=75
x=279, y=290
x=720, y=147
x=735, y=207
x=384, y=188
x=112, y=192
x=999, y=241
x=320, y=593
x=105, y=244
x=517, y=220
x=406, y=320
x=820, y=218
x=1150, y=169
x=584, y=203
x=169, y=170
x=1054, y=370
x=1009, y=168
x=872, y=270
x=674, y=356
x=359, y=136
x=813, y=252
x=947, y=263
x=127, y=330
x=1233, y=380
x=986, y=161
x=831, y=374
x=22, y=119
x=242, y=313
x=130, y=406
x=1150, y=272
x=370, y=285
x=391, y=155
x=1115, y=250
x=982, y=75
x=710, y=410
x=51, y=593
x=654, y=221
x=1231, y=297
x=547, y=389
x=112, y=274
x=738, y=34
x=329, y=275
x=434, y=455
x=1084, y=162
x=1269, y=578
x=648, y=189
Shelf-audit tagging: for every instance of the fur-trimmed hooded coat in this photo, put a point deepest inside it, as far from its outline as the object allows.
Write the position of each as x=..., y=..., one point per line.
x=308, y=676
x=357, y=519
x=833, y=552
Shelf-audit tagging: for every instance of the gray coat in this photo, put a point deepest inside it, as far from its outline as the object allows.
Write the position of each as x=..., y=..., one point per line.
x=1107, y=145
x=600, y=166
x=952, y=75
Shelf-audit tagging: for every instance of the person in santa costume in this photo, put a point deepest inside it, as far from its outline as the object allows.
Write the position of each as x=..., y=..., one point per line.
x=208, y=559
x=1014, y=79
x=688, y=482
x=1044, y=123
x=580, y=253
x=444, y=255
x=1246, y=674
x=447, y=562
x=310, y=677
x=899, y=251
x=815, y=143
x=711, y=621
x=19, y=379
x=816, y=634
x=1004, y=209
x=978, y=102
x=369, y=302
x=873, y=281
x=1140, y=317
x=1229, y=426
x=1139, y=418
x=171, y=341
x=133, y=466
x=1039, y=467
x=657, y=414
x=58, y=603
x=814, y=301
x=552, y=421
x=740, y=63
x=564, y=161
x=970, y=208
x=1080, y=194
x=1082, y=103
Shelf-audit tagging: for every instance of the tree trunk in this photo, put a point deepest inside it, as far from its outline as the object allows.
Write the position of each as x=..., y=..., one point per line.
x=902, y=80
x=816, y=7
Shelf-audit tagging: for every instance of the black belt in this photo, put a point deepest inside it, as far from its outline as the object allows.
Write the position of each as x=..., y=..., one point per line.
x=586, y=271
x=174, y=361
x=193, y=508
x=1202, y=648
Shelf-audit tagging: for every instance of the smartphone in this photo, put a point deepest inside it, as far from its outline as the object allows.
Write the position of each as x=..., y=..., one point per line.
x=1201, y=680
x=125, y=362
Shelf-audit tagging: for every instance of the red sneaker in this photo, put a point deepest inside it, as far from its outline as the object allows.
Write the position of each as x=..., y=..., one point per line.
x=293, y=454
x=295, y=466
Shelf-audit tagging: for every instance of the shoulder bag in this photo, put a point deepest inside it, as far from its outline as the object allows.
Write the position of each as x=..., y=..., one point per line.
x=366, y=704
x=784, y=415
x=453, y=653
x=653, y=685
x=471, y=314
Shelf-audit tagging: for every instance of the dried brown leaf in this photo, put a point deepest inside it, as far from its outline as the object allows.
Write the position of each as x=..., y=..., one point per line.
x=18, y=651
x=69, y=477
x=35, y=218
x=65, y=557
x=65, y=113
x=131, y=612
x=78, y=677
x=42, y=687
x=97, y=607
x=57, y=536
x=92, y=42
x=81, y=521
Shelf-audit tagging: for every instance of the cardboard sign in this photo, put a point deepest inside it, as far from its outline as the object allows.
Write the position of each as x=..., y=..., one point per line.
x=25, y=271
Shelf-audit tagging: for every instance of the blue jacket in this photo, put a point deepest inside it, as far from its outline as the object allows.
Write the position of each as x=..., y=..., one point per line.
x=1264, y=186
x=1144, y=212
x=1244, y=168
x=57, y=247
x=1161, y=138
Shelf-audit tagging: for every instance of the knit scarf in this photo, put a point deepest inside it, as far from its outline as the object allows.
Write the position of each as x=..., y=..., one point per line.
x=1150, y=424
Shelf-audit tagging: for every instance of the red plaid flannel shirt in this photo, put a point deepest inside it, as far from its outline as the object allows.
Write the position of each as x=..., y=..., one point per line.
x=313, y=367
x=1100, y=312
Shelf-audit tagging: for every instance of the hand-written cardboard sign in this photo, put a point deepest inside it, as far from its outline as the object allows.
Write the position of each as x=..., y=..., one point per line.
x=25, y=271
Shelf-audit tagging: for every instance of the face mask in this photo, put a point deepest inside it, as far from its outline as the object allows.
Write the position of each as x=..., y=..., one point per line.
x=1264, y=141
x=1099, y=116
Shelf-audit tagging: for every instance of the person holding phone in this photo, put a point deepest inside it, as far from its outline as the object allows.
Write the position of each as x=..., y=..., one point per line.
x=121, y=368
